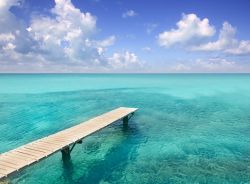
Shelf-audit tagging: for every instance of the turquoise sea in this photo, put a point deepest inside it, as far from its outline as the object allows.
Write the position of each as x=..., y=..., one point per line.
x=190, y=128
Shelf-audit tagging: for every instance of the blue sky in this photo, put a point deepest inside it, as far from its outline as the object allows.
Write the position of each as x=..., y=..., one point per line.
x=124, y=36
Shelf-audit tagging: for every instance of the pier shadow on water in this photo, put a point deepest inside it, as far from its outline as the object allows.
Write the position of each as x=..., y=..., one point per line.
x=117, y=157
x=68, y=169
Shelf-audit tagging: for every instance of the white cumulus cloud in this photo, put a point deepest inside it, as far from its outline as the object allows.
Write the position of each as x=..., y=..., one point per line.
x=64, y=35
x=208, y=65
x=7, y=37
x=180, y=67
x=243, y=47
x=129, y=13
x=61, y=41
x=124, y=60
x=226, y=39
x=226, y=42
x=147, y=49
x=107, y=42
x=12, y=31
x=188, y=28
x=217, y=65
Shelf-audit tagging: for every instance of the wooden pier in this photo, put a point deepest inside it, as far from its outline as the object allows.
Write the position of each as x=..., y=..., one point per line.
x=64, y=141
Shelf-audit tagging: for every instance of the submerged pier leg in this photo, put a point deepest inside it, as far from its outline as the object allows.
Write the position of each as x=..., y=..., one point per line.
x=125, y=120
x=66, y=153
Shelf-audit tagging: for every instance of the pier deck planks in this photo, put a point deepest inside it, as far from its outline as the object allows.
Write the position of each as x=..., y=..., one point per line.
x=35, y=151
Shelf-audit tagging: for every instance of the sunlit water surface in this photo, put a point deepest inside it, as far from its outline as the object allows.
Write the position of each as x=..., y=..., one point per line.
x=190, y=128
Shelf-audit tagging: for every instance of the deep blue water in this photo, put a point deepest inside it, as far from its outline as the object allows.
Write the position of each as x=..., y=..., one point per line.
x=190, y=128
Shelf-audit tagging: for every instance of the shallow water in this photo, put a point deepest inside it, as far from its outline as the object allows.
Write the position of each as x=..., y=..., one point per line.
x=190, y=128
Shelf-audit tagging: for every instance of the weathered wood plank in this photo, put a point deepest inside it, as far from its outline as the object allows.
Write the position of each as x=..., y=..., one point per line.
x=45, y=146
x=6, y=170
x=1, y=175
x=8, y=164
x=5, y=165
x=37, y=149
x=11, y=159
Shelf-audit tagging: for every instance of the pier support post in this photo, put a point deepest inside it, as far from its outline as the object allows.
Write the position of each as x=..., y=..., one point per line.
x=67, y=150
x=66, y=153
x=125, y=120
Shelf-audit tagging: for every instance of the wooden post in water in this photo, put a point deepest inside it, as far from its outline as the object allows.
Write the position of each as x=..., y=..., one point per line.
x=66, y=153
x=67, y=150
x=125, y=120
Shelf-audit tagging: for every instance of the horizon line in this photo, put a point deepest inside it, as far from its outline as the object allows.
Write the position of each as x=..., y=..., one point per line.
x=2, y=73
